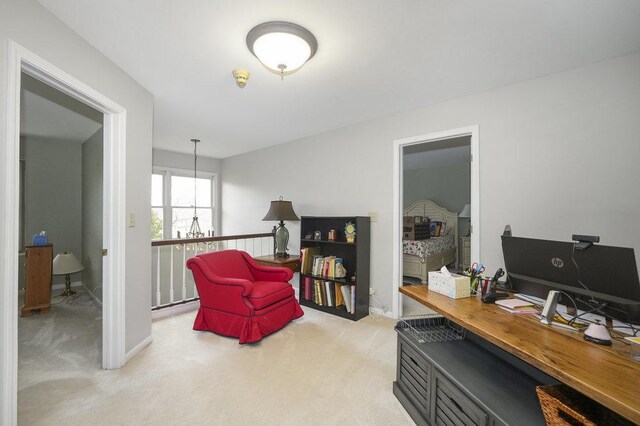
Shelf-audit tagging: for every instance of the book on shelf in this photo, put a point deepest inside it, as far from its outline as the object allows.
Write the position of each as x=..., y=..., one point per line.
x=339, y=298
x=307, y=255
x=328, y=292
x=307, y=294
x=353, y=299
x=346, y=295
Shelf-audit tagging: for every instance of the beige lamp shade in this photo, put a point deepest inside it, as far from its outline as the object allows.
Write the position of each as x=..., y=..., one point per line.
x=66, y=263
x=466, y=212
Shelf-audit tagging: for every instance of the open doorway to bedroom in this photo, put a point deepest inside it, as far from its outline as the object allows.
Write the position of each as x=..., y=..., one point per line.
x=436, y=212
x=436, y=195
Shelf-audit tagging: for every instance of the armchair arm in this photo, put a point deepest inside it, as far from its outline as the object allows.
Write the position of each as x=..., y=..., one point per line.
x=267, y=273
x=222, y=294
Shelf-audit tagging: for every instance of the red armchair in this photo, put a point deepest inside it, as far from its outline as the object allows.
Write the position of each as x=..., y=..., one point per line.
x=240, y=298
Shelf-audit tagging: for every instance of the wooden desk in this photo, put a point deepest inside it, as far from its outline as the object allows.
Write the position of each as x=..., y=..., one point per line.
x=291, y=262
x=605, y=374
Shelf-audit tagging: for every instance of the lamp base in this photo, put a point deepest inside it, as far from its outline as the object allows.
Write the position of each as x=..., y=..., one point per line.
x=67, y=287
x=282, y=240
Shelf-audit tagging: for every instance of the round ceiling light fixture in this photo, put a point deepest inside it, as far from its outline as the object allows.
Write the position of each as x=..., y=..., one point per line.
x=282, y=47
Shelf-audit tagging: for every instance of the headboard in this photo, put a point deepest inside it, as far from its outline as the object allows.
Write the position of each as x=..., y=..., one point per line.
x=427, y=208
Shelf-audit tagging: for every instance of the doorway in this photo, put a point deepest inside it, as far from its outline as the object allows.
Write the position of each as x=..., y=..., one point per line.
x=113, y=222
x=432, y=143
x=61, y=155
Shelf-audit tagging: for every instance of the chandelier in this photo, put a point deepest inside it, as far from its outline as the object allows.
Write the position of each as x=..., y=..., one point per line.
x=194, y=231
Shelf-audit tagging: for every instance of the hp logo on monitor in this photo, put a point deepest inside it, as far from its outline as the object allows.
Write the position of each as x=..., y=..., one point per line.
x=557, y=262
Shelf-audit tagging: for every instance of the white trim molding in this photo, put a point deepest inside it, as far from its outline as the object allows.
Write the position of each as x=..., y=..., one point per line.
x=113, y=339
x=398, y=144
x=138, y=348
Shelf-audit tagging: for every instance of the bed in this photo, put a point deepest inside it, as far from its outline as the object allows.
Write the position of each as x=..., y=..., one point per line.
x=420, y=257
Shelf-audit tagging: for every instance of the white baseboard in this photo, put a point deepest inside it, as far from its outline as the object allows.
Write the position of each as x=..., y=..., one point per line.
x=378, y=311
x=138, y=348
x=175, y=310
x=93, y=296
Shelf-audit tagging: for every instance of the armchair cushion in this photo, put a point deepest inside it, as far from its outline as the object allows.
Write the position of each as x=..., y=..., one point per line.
x=266, y=293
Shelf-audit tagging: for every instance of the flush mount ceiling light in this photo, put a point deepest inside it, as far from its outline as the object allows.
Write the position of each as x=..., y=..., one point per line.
x=282, y=47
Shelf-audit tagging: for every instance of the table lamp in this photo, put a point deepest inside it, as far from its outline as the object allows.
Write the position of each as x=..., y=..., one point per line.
x=66, y=264
x=281, y=210
x=466, y=214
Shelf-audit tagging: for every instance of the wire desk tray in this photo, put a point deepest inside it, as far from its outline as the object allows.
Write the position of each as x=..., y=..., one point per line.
x=431, y=329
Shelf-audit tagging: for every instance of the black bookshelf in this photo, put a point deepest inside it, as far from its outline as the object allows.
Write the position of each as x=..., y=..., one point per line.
x=355, y=259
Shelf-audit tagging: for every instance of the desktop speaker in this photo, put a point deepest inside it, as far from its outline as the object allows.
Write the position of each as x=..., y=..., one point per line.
x=549, y=310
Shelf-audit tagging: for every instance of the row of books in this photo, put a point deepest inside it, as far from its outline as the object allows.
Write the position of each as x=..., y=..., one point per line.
x=312, y=263
x=329, y=293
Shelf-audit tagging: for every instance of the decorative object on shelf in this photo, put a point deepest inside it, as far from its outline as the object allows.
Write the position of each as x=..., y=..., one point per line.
x=281, y=210
x=194, y=231
x=332, y=235
x=308, y=236
x=66, y=264
x=466, y=214
x=241, y=76
x=317, y=235
x=350, y=232
x=282, y=47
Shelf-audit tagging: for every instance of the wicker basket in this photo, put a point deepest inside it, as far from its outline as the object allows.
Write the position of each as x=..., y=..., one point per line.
x=564, y=406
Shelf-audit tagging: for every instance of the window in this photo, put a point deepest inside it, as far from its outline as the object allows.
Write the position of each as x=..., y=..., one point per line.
x=173, y=193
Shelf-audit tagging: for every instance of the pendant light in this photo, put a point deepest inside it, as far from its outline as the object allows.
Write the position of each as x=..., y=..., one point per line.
x=194, y=231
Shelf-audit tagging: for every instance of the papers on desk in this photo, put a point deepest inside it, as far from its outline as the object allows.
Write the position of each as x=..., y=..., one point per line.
x=517, y=306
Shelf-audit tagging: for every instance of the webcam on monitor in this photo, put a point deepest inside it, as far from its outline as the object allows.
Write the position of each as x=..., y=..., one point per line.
x=583, y=242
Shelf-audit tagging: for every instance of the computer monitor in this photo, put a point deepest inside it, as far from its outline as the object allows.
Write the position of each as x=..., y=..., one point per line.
x=609, y=274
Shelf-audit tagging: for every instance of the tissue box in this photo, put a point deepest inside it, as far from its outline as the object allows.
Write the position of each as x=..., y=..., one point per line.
x=456, y=286
x=40, y=240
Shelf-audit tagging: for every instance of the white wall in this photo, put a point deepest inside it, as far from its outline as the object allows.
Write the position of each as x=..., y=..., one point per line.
x=53, y=195
x=29, y=24
x=558, y=155
x=92, y=208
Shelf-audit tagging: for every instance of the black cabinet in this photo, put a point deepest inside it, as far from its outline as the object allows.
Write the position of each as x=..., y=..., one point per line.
x=464, y=381
x=316, y=232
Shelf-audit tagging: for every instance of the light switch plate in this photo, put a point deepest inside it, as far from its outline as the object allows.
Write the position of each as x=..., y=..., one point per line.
x=373, y=216
x=132, y=220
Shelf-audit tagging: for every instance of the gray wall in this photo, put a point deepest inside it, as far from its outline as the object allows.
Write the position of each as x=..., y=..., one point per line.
x=53, y=195
x=32, y=26
x=92, y=207
x=178, y=160
x=558, y=155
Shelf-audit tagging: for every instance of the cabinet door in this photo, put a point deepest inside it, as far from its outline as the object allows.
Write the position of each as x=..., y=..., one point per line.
x=413, y=373
x=453, y=407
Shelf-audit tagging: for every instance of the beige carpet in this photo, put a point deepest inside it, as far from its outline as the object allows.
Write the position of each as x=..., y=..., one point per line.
x=319, y=370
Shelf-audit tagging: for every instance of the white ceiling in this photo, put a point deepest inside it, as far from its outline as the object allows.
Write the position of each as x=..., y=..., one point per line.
x=375, y=58
x=48, y=113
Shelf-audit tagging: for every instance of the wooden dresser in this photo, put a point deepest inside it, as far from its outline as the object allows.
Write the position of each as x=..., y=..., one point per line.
x=37, y=288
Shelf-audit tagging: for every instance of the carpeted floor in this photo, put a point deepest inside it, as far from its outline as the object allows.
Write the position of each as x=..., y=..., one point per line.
x=319, y=370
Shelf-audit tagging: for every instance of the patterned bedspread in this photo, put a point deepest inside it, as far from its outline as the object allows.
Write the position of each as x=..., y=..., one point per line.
x=426, y=248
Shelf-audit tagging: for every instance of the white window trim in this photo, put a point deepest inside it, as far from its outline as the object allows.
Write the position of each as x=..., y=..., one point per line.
x=167, y=172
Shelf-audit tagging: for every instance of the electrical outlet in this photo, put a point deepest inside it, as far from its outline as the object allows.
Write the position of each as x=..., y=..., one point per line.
x=372, y=291
x=373, y=217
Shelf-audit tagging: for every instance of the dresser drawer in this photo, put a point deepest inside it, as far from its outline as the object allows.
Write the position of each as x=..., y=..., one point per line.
x=452, y=407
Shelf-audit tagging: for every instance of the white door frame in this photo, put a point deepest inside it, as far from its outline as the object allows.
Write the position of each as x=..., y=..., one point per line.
x=114, y=217
x=398, y=198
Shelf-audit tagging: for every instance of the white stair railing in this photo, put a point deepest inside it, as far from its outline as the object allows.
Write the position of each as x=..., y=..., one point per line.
x=167, y=263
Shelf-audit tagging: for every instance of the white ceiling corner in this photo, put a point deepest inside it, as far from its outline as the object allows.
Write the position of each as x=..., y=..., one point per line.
x=375, y=58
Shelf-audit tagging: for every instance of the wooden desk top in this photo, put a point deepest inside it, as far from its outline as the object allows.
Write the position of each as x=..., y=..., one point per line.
x=291, y=262
x=605, y=374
